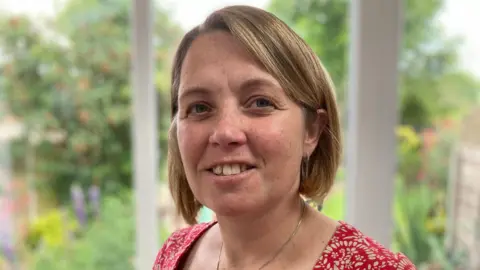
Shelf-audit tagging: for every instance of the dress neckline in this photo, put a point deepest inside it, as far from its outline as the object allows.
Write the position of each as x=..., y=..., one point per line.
x=204, y=227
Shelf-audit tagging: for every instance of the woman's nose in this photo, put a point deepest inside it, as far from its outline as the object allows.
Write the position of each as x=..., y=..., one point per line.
x=229, y=129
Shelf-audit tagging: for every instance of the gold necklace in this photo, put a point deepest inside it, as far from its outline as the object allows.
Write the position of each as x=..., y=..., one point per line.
x=280, y=249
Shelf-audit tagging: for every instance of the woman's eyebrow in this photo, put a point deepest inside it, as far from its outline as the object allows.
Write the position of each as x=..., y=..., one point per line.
x=257, y=82
x=249, y=84
x=192, y=91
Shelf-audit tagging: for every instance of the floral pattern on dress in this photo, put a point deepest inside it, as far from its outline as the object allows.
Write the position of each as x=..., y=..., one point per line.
x=348, y=249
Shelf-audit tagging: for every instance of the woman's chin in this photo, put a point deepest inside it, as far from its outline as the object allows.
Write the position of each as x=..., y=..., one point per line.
x=235, y=208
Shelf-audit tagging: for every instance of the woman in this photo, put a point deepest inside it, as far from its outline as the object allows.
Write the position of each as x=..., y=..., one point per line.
x=255, y=130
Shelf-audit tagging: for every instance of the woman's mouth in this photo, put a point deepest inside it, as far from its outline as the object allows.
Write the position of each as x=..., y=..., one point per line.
x=230, y=169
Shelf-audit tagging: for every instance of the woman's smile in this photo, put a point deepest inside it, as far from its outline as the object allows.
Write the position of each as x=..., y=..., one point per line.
x=230, y=175
x=230, y=169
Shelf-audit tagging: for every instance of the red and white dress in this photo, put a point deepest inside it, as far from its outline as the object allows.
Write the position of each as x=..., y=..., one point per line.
x=347, y=249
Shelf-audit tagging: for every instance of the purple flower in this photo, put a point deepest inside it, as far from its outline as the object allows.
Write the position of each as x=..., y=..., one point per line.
x=7, y=249
x=78, y=199
x=94, y=198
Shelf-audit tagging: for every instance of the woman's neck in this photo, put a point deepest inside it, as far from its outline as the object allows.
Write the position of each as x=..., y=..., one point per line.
x=255, y=240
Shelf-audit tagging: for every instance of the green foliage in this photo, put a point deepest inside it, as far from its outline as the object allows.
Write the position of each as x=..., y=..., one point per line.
x=412, y=212
x=408, y=152
x=68, y=81
x=107, y=244
x=431, y=84
x=438, y=158
x=323, y=25
x=444, y=260
x=420, y=226
x=420, y=208
x=51, y=229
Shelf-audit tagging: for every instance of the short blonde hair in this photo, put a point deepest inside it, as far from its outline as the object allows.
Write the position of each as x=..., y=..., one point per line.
x=292, y=62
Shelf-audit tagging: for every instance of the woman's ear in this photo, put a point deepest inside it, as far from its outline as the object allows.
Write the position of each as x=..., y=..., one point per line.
x=315, y=126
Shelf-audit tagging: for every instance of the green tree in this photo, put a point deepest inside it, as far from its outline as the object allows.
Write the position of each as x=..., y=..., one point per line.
x=68, y=81
x=429, y=76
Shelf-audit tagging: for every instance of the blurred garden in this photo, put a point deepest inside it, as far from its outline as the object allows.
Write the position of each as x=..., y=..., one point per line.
x=66, y=82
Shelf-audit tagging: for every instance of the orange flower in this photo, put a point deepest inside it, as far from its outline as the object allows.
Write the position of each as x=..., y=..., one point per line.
x=429, y=138
x=14, y=22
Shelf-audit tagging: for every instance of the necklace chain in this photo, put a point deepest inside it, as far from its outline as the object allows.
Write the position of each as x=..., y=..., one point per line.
x=280, y=249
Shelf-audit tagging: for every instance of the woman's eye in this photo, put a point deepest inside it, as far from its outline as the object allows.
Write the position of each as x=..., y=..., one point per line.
x=262, y=103
x=198, y=108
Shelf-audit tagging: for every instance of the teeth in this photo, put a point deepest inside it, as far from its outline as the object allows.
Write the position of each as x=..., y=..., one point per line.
x=235, y=169
x=217, y=170
x=229, y=169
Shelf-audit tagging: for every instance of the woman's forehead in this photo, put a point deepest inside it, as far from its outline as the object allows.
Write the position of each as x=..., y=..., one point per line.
x=215, y=49
x=219, y=58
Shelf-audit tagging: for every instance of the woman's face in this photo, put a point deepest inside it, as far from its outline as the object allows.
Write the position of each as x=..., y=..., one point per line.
x=241, y=139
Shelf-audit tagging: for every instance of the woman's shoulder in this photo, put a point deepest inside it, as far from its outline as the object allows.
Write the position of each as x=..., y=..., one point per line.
x=349, y=246
x=177, y=244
